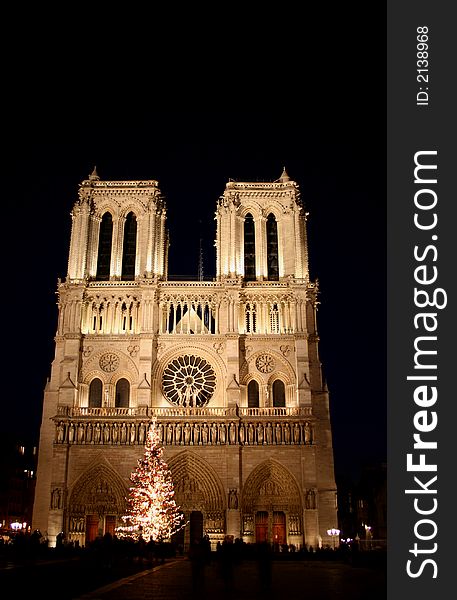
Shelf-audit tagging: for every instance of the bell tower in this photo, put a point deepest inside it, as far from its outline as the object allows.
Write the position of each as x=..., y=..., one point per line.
x=118, y=231
x=261, y=231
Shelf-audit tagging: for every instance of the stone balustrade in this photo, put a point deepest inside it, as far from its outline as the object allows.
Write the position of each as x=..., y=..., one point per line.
x=182, y=411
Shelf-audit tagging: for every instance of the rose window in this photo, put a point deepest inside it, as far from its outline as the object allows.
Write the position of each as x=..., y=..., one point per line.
x=265, y=363
x=188, y=381
x=109, y=362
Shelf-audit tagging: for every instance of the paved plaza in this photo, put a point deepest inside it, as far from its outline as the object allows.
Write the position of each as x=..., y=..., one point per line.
x=316, y=580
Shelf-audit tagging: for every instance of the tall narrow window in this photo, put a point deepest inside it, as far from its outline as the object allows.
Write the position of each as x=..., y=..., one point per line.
x=249, y=248
x=122, y=393
x=251, y=317
x=274, y=318
x=95, y=393
x=272, y=248
x=104, y=247
x=129, y=248
x=279, y=394
x=253, y=394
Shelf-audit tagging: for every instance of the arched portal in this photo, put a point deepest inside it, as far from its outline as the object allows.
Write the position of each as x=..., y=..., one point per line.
x=272, y=506
x=198, y=489
x=96, y=503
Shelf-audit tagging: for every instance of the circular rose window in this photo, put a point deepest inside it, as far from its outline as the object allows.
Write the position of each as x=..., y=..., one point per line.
x=188, y=381
x=109, y=362
x=265, y=363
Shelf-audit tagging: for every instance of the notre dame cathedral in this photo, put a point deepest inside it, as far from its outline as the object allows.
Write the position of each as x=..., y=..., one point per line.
x=228, y=368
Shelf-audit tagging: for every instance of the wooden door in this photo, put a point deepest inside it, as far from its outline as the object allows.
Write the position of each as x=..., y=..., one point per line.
x=261, y=527
x=110, y=524
x=91, y=528
x=279, y=527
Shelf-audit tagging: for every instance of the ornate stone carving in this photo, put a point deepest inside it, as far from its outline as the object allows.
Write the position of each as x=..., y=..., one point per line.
x=248, y=525
x=294, y=525
x=265, y=363
x=109, y=362
x=233, y=499
x=286, y=350
x=133, y=350
x=215, y=522
x=56, y=498
x=270, y=488
x=310, y=499
x=219, y=347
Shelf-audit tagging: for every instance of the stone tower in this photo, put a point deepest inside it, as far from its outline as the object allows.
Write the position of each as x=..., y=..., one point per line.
x=229, y=368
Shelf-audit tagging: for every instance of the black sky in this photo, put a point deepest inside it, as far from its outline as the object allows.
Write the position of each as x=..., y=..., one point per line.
x=328, y=131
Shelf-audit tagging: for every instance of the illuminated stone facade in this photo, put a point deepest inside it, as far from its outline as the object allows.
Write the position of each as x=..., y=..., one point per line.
x=229, y=368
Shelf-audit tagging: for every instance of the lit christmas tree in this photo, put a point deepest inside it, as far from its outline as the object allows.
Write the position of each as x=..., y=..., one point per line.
x=152, y=511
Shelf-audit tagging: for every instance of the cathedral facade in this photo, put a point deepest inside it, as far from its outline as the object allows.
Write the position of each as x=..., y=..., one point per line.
x=229, y=369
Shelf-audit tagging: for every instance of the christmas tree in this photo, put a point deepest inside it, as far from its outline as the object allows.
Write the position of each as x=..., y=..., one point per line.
x=152, y=511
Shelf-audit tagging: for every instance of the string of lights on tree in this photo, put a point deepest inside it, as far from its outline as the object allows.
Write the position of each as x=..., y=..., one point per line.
x=152, y=513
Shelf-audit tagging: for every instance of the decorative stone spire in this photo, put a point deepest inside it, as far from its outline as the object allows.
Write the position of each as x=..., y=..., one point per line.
x=94, y=175
x=284, y=176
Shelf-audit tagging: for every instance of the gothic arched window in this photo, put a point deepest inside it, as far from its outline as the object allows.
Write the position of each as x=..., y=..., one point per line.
x=122, y=394
x=95, y=393
x=274, y=317
x=272, y=248
x=279, y=394
x=251, y=317
x=129, y=248
x=253, y=394
x=249, y=248
x=104, y=247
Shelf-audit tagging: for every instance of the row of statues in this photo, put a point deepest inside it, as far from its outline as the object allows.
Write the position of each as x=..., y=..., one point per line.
x=187, y=434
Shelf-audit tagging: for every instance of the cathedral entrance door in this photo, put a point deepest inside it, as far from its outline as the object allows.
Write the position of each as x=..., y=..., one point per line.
x=279, y=527
x=261, y=527
x=110, y=524
x=91, y=528
x=196, y=526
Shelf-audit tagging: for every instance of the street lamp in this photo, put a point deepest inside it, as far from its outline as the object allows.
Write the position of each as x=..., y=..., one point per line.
x=368, y=536
x=333, y=533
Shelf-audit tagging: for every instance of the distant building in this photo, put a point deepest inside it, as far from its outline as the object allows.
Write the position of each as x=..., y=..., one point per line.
x=229, y=368
x=17, y=486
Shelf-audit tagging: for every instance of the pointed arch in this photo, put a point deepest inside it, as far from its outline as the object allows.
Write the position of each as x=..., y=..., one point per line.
x=272, y=248
x=197, y=484
x=99, y=490
x=253, y=394
x=95, y=393
x=269, y=485
x=122, y=399
x=129, y=247
x=249, y=248
x=279, y=393
x=105, y=242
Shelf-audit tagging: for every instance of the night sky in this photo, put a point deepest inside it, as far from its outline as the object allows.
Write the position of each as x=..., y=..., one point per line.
x=331, y=141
